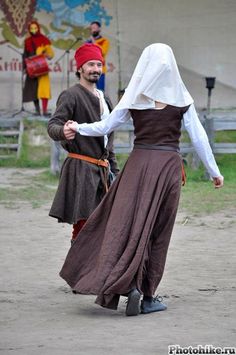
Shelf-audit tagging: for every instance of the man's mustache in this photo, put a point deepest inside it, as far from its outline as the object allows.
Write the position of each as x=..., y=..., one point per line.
x=95, y=72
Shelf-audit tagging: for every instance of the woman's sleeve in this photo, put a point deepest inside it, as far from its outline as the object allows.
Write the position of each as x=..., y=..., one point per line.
x=106, y=126
x=200, y=141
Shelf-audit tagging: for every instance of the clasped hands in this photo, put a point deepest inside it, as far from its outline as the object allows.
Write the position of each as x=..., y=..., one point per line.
x=69, y=129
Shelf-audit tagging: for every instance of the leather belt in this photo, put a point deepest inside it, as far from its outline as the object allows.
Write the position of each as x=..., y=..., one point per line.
x=99, y=162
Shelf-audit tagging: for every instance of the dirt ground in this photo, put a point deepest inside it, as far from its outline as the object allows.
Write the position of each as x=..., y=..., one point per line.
x=40, y=316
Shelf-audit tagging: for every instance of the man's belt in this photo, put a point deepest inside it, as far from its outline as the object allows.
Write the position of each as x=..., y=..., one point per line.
x=99, y=162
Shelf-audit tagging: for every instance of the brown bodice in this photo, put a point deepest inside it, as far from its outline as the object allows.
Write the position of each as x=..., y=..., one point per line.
x=158, y=127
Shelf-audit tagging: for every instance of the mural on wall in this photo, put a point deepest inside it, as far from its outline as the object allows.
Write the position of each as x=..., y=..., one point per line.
x=69, y=19
x=17, y=17
x=65, y=22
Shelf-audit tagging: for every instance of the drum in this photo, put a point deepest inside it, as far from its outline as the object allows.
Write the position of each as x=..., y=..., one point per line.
x=36, y=66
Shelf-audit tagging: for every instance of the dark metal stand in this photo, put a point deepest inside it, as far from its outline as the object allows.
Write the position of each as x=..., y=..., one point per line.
x=22, y=82
x=67, y=53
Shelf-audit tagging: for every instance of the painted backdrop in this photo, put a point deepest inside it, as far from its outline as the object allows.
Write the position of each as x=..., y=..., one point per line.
x=202, y=34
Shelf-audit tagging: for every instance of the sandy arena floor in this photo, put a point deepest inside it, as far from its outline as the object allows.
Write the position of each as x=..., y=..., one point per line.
x=40, y=316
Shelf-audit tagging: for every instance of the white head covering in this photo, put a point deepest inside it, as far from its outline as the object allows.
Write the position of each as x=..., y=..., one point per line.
x=155, y=78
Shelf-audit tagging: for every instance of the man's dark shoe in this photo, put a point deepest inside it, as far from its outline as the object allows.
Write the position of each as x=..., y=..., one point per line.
x=133, y=306
x=155, y=305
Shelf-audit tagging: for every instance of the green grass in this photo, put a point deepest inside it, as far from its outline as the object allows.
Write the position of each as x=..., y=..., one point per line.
x=121, y=159
x=35, y=148
x=36, y=196
x=225, y=136
x=37, y=190
x=199, y=196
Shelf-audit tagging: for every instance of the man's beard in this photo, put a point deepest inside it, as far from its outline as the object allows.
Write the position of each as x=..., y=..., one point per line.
x=89, y=77
x=94, y=80
x=95, y=34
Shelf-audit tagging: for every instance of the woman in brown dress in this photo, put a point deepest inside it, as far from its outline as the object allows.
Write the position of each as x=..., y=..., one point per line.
x=122, y=248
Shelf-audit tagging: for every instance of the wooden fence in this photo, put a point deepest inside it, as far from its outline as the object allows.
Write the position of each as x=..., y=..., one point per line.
x=124, y=137
x=11, y=131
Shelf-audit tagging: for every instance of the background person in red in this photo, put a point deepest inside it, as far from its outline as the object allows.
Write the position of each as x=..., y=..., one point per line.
x=39, y=87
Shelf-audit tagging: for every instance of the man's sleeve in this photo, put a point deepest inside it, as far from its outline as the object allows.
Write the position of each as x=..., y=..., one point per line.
x=64, y=112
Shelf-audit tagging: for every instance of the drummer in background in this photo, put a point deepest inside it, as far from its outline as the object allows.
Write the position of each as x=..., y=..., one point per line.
x=37, y=88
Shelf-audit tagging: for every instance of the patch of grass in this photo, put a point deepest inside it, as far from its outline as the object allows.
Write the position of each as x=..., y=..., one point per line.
x=35, y=148
x=39, y=190
x=46, y=178
x=33, y=155
x=225, y=136
x=36, y=195
x=199, y=196
x=121, y=159
x=202, y=198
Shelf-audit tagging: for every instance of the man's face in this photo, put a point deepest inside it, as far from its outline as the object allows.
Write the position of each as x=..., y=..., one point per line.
x=91, y=71
x=94, y=30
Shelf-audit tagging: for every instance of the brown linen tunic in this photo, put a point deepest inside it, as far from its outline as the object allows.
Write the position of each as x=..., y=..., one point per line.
x=125, y=241
x=81, y=186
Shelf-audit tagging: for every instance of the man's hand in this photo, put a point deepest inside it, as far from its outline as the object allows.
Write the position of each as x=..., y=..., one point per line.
x=218, y=182
x=68, y=132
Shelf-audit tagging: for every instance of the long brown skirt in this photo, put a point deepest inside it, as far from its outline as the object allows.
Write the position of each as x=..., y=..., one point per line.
x=124, y=243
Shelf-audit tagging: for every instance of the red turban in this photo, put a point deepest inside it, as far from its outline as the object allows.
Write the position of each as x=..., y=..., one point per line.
x=87, y=52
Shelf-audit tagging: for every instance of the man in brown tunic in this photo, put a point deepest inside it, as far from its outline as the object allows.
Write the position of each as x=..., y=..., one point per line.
x=84, y=174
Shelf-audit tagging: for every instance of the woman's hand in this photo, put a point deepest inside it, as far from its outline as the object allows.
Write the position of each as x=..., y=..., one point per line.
x=218, y=181
x=73, y=125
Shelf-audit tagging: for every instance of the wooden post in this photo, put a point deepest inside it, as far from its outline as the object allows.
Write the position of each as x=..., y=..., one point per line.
x=56, y=152
x=21, y=130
